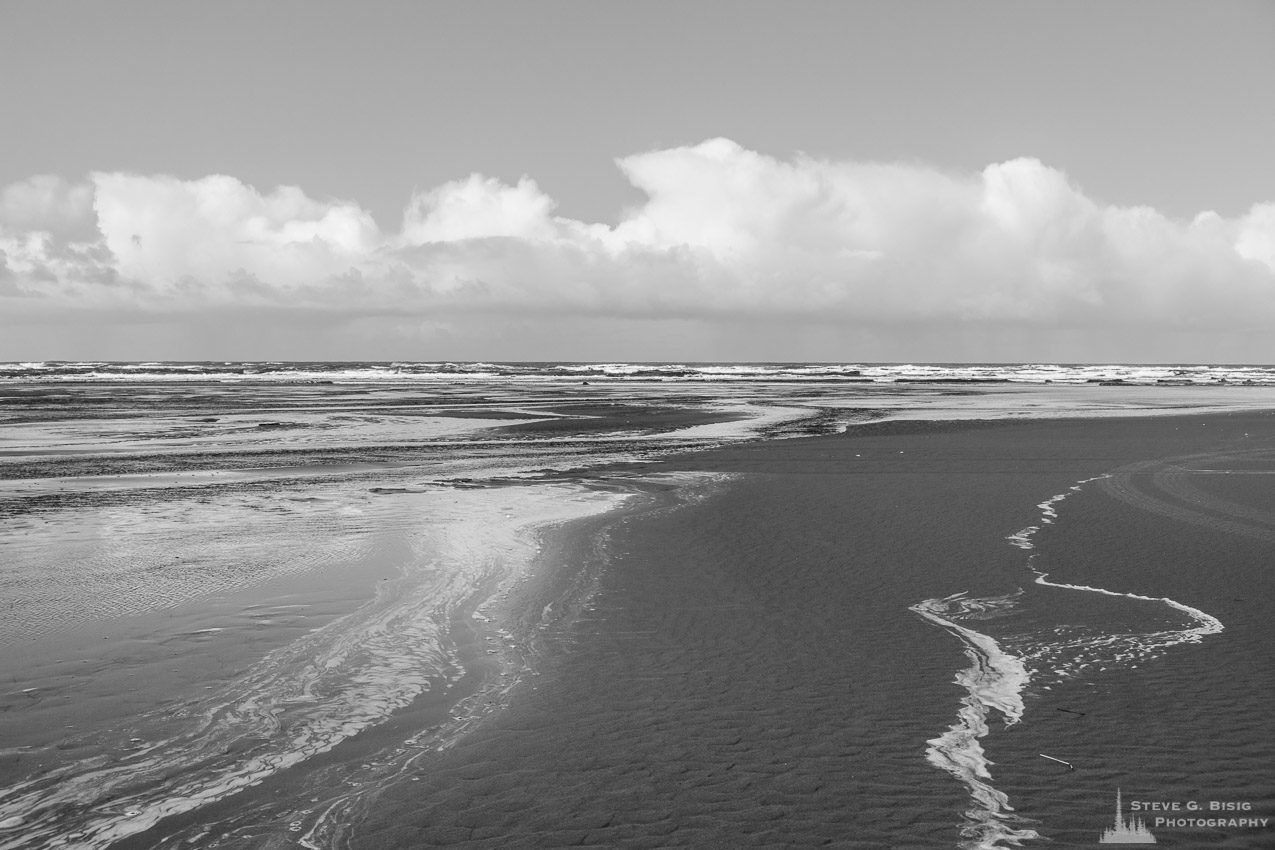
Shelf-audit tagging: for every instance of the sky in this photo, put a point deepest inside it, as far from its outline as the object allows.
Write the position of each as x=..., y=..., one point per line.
x=845, y=181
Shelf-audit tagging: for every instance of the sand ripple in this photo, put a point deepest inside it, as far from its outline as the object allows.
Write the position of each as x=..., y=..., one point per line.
x=1071, y=637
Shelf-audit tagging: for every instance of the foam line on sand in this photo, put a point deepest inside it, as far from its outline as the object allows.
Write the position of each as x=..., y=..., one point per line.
x=304, y=699
x=997, y=677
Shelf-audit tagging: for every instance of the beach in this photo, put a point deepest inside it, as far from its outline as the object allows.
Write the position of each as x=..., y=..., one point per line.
x=714, y=425
x=750, y=674
x=528, y=609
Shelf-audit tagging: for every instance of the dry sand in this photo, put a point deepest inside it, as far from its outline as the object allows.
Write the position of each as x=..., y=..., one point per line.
x=749, y=674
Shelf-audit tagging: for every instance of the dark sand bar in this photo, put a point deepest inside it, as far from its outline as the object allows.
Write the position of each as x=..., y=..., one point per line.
x=749, y=672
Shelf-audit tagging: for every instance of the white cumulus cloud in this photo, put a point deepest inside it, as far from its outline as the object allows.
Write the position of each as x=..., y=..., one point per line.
x=48, y=203
x=724, y=234
x=203, y=235
x=477, y=208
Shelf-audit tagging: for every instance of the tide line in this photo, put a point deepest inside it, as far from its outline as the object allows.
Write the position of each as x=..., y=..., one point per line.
x=996, y=680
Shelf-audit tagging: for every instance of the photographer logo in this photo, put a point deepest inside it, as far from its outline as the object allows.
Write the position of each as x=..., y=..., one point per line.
x=1124, y=830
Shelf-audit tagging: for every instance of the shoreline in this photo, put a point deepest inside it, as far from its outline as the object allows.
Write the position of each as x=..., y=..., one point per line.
x=704, y=702
x=285, y=715
x=706, y=635
x=508, y=635
x=498, y=636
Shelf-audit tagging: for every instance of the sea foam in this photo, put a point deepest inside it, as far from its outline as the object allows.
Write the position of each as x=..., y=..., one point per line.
x=1002, y=671
x=304, y=698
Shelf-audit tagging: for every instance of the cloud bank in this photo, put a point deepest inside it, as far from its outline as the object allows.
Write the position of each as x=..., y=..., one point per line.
x=725, y=235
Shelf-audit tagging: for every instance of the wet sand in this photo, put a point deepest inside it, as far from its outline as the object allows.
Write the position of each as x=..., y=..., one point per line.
x=230, y=614
x=748, y=672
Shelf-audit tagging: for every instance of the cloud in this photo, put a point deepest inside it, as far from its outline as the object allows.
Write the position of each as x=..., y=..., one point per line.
x=1256, y=238
x=478, y=208
x=48, y=203
x=206, y=237
x=725, y=235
